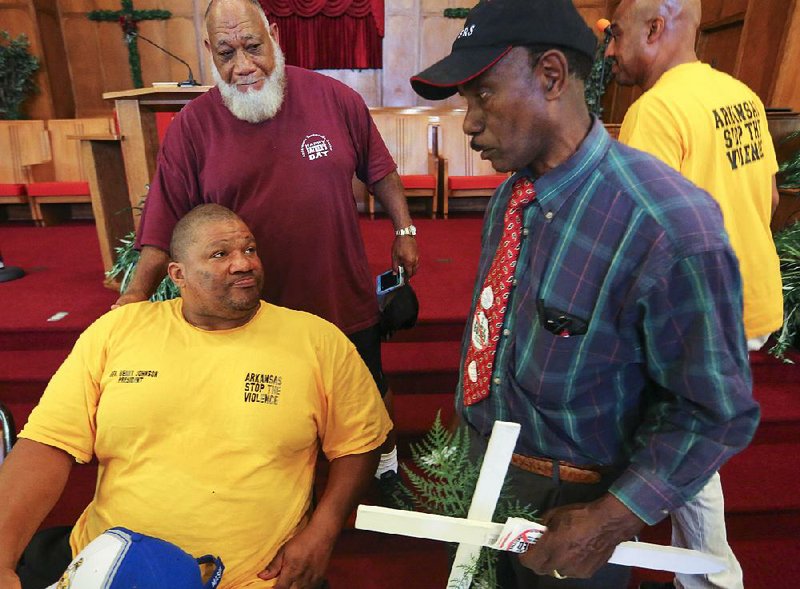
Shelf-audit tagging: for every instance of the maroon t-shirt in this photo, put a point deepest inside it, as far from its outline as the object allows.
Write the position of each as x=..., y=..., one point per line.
x=290, y=179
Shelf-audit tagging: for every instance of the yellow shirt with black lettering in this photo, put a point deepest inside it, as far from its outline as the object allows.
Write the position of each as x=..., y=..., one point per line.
x=208, y=439
x=713, y=130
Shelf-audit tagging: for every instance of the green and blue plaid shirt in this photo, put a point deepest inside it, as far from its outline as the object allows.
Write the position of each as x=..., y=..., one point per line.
x=658, y=385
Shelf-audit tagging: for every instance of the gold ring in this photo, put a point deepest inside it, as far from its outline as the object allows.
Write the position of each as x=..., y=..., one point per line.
x=558, y=575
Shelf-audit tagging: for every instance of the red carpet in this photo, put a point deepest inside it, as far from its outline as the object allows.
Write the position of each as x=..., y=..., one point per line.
x=762, y=485
x=64, y=273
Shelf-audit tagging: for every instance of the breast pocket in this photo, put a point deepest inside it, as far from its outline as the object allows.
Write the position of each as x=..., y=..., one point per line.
x=552, y=350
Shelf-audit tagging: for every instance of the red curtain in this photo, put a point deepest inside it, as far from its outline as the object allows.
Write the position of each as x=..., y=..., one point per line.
x=337, y=34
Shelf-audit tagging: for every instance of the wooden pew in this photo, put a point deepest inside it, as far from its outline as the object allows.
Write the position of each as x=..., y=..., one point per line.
x=23, y=144
x=465, y=174
x=409, y=135
x=63, y=181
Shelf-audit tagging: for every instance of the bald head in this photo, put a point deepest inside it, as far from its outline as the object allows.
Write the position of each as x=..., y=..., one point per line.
x=680, y=16
x=651, y=37
x=187, y=229
x=216, y=267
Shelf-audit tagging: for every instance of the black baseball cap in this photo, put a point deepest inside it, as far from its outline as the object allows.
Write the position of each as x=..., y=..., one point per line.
x=493, y=27
x=399, y=310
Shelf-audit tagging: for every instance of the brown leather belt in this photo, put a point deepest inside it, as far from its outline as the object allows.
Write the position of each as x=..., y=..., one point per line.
x=566, y=472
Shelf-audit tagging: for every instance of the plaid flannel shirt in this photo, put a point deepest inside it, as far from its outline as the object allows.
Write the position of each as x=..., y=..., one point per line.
x=659, y=384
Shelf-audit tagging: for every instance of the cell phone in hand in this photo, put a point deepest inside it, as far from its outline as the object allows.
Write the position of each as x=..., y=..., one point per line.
x=389, y=281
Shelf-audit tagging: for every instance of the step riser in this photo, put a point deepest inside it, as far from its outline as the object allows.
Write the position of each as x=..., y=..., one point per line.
x=38, y=340
x=22, y=392
x=410, y=384
x=430, y=332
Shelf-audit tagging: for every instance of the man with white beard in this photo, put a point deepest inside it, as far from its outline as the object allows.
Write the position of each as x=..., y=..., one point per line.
x=280, y=145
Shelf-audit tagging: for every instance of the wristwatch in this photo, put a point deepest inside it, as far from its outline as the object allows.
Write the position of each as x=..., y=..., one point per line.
x=410, y=230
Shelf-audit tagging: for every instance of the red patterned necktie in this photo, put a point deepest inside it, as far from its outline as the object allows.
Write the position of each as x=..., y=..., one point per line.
x=487, y=318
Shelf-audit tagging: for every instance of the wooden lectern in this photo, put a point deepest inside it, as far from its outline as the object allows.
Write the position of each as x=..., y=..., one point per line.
x=137, y=127
x=121, y=167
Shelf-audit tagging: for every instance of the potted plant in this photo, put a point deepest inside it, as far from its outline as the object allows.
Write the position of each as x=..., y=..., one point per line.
x=17, y=68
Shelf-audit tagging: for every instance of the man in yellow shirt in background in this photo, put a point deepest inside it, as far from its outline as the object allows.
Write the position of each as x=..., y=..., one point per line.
x=206, y=414
x=712, y=129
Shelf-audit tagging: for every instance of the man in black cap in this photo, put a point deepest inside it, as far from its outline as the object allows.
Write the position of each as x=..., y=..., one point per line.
x=607, y=312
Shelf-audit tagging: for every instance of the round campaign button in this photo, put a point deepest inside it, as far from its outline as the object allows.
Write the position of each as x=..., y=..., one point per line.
x=480, y=331
x=487, y=297
x=472, y=371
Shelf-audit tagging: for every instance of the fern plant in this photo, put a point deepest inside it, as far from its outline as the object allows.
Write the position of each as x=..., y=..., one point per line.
x=787, y=243
x=125, y=266
x=443, y=480
x=790, y=169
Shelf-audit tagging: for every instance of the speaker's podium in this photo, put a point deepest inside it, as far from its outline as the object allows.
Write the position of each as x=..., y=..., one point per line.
x=120, y=167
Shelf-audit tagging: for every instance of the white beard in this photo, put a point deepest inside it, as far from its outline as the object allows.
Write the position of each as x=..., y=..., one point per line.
x=255, y=106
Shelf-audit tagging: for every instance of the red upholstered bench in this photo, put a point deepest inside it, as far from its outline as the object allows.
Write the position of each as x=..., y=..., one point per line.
x=13, y=194
x=470, y=186
x=62, y=181
x=409, y=135
x=419, y=182
x=414, y=186
x=46, y=193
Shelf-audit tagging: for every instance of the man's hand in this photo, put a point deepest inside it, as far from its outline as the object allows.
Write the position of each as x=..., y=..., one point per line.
x=580, y=538
x=300, y=563
x=130, y=297
x=404, y=253
x=9, y=579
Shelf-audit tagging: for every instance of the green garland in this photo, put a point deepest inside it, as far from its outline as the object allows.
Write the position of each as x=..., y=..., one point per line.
x=443, y=480
x=598, y=81
x=128, y=18
x=110, y=15
x=456, y=12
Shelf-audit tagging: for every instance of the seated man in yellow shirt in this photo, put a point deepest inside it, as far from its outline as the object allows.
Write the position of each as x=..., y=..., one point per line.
x=205, y=414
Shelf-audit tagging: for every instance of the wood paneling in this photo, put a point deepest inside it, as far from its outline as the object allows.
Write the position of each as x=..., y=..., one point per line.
x=730, y=8
x=719, y=45
x=591, y=10
x=55, y=58
x=786, y=91
x=97, y=54
x=761, y=44
x=86, y=68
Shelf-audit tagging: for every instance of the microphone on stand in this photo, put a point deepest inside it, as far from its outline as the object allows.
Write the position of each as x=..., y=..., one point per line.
x=189, y=82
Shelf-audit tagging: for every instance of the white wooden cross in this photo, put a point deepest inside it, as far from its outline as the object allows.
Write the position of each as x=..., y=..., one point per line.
x=516, y=534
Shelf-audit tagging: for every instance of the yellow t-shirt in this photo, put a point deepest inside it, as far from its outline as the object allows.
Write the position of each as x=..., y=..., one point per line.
x=208, y=439
x=713, y=130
